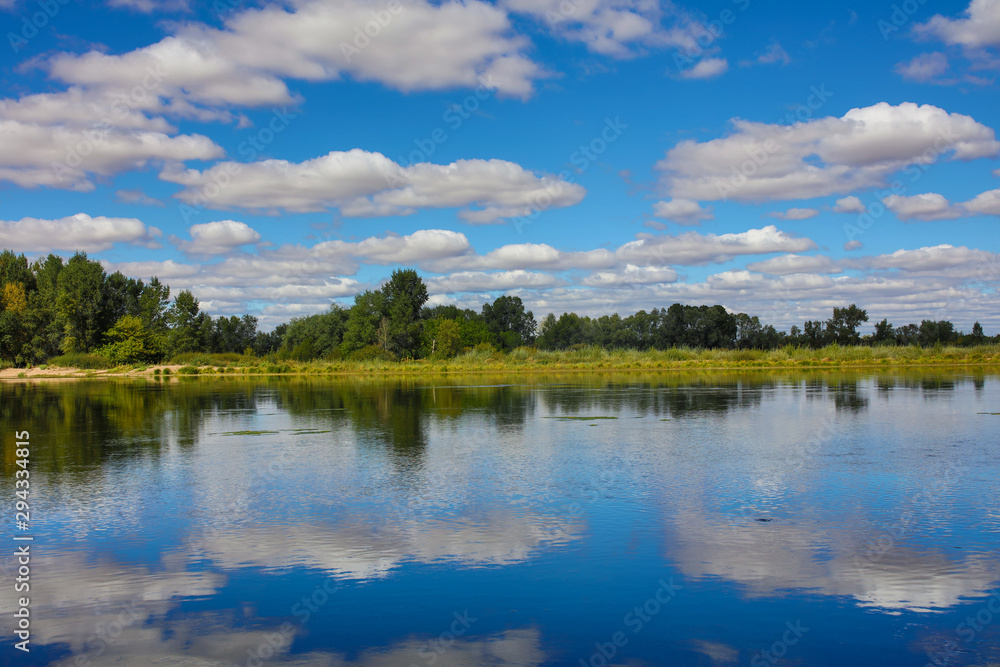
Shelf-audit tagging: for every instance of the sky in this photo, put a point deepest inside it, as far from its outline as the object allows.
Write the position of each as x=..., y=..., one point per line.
x=592, y=156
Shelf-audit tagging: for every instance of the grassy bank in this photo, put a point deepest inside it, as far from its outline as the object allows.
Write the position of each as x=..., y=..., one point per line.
x=583, y=359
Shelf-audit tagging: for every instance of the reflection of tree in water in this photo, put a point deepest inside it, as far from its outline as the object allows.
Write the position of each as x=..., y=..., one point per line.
x=846, y=396
x=653, y=398
x=79, y=424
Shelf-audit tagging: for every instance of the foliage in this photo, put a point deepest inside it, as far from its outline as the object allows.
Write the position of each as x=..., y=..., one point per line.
x=129, y=341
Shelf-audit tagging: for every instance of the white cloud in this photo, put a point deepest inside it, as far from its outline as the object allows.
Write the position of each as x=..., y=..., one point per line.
x=422, y=246
x=987, y=203
x=795, y=214
x=979, y=28
x=854, y=245
x=477, y=281
x=775, y=53
x=925, y=67
x=150, y=6
x=364, y=184
x=789, y=264
x=928, y=206
x=760, y=161
x=682, y=211
x=849, y=204
x=935, y=259
x=136, y=196
x=217, y=238
x=631, y=275
x=65, y=157
x=692, y=248
x=707, y=68
x=423, y=46
x=616, y=27
x=77, y=232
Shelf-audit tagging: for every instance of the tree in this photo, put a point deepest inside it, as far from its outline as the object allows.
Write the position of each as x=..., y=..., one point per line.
x=185, y=330
x=129, y=341
x=153, y=303
x=843, y=326
x=363, y=321
x=403, y=297
x=43, y=322
x=884, y=333
x=509, y=323
x=80, y=302
x=448, y=340
x=932, y=332
x=977, y=333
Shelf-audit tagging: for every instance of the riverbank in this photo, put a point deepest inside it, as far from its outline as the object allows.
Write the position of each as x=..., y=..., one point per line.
x=528, y=360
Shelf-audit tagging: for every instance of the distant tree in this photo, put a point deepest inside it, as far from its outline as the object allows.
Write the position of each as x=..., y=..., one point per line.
x=932, y=333
x=509, y=323
x=908, y=334
x=153, y=303
x=884, y=333
x=843, y=326
x=977, y=333
x=79, y=303
x=363, y=321
x=129, y=341
x=814, y=334
x=403, y=297
x=185, y=327
x=448, y=340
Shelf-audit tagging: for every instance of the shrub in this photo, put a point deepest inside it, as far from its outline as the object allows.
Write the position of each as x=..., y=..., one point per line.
x=370, y=353
x=188, y=370
x=81, y=360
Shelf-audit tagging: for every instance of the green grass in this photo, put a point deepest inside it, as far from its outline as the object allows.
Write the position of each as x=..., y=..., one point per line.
x=579, y=358
x=80, y=360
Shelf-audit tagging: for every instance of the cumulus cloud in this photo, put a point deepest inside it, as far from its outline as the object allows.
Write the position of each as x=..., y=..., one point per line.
x=76, y=232
x=631, y=275
x=987, y=203
x=66, y=157
x=364, y=184
x=478, y=281
x=853, y=245
x=617, y=28
x=136, y=196
x=707, y=68
x=928, y=206
x=795, y=214
x=423, y=46
x=150, y=6
x=980, y=26
x=849, y=205
x=760, y=161
x=682, y=211
x=692, y=248
x=925, y=67
x=789, y=264
x=217, y=238
x=935, y=259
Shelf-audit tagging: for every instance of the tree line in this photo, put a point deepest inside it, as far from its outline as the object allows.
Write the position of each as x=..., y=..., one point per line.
x=51, y=307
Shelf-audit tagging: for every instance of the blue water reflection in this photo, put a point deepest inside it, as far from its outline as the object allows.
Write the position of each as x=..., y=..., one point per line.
x=821, y=519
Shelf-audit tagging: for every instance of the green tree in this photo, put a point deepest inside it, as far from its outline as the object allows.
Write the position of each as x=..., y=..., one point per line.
x=884, y=333
x=80, y=303
x=185, y=327
x=129, y=341
x=843, y=326
x=508, y=321
x=977, y=333
x=403, y=297
x=363, y=321
x=153, y=303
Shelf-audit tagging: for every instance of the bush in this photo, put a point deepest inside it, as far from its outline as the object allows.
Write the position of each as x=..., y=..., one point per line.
x=188, y=370
x=129, y=342
x=370, y=353
x=81, y=360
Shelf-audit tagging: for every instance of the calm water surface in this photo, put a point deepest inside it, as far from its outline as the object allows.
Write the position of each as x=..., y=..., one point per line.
x=827, y=519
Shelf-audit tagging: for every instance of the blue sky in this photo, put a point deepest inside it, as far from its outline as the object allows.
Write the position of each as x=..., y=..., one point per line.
x=593, y=156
